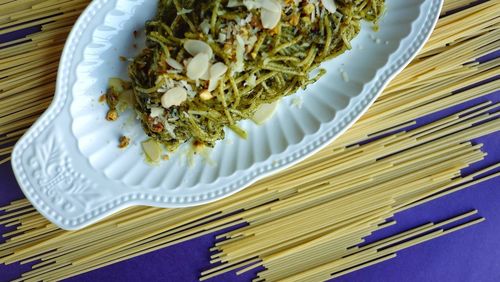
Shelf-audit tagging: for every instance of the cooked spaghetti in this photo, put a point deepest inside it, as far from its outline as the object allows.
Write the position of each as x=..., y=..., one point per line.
x=210, y=64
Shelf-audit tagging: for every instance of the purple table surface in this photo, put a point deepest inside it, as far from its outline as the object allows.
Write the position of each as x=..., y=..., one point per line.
x=471, y=254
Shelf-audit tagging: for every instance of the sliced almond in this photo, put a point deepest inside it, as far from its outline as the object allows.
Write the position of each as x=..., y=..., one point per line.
x=198, y=66
x=195, y=47
x=206, y=75
x=213, y=83
x=157, y=112
x=271, y=5
x=270, y=19
x=265, y=112
x=329, y=5
x=217, y=70
x=253, y=4
x=152, y=149
x=174, y=97
x=173, y=63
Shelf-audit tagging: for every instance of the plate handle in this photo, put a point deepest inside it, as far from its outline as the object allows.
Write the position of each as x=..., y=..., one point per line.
x=48, y=177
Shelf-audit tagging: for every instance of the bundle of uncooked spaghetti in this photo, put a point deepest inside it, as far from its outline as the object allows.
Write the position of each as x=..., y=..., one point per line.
x=306, y=223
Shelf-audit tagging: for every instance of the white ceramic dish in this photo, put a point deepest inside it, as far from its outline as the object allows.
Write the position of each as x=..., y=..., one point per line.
x=68, y=164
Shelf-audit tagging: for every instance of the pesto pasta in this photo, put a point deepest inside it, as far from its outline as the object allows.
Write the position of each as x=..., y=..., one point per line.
x=210, y=64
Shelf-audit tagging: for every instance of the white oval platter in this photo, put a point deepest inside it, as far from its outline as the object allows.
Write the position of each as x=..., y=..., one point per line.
x=68, y=163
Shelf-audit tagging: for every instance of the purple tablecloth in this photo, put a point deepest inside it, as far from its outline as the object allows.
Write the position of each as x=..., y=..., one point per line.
x=472, y=254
